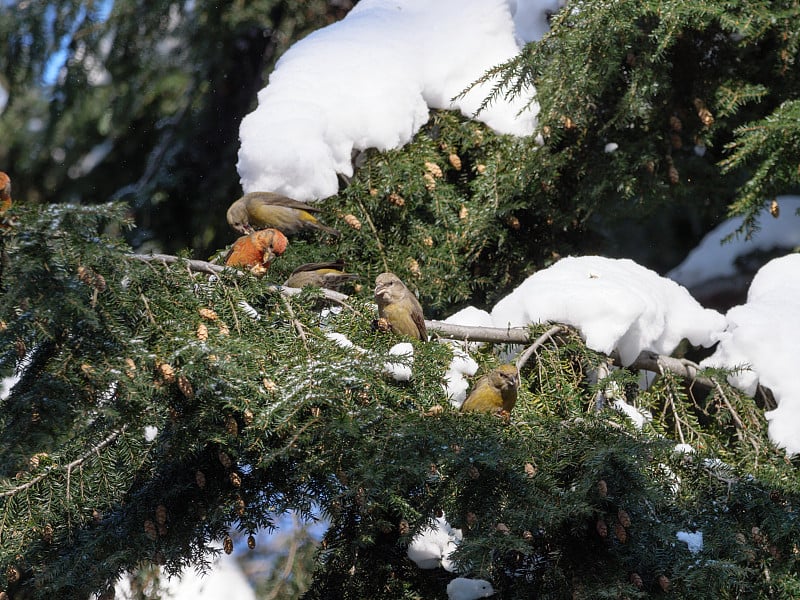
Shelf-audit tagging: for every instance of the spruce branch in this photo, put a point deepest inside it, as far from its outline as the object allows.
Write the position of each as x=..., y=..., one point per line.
x=110, y=439
x=295, y=322
x=202, y=266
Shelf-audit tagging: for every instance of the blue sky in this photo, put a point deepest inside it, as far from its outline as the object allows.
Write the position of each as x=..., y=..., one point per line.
x=101, y=11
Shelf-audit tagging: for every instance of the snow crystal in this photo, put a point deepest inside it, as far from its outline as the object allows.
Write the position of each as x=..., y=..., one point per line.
x=369, y=80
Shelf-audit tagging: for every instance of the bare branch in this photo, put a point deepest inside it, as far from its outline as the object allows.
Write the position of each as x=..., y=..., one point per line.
x=69, y=466
x=523, y=358
x=650, y=361
x=495, y=335
x=202, y=266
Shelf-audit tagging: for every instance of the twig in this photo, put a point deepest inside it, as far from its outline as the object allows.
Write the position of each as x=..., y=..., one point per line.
x=650, y=361
x=198, y=266
x=737, y=421
x=523, y=358
x=297, y=324
x=375, y=233
x=68, y=467
x=202, y=266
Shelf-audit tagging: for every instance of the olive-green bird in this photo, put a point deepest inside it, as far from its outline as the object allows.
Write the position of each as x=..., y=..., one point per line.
x=494, y=392
x=399, y=307
x=260, y=210
x=328, y=275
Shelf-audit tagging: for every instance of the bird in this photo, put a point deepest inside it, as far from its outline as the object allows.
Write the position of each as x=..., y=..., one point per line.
x=5, y=192
x=328, y=275
x=399, y=307
x=495, y=392
x=257, y=250
x=258, y=210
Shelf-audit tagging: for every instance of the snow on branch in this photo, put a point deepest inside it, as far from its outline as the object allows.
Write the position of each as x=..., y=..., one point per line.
x=369, y=81
x=632, y=314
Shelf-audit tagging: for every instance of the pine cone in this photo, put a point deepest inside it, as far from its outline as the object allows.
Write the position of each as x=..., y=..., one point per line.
x=434, y=169
x=624, y=518
x=396, y=199
x=208, y=314
x=352, y=221
x=185, y=386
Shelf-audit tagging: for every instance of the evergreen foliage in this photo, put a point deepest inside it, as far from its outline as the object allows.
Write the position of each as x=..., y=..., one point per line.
x=160, y=409
x=258, y=413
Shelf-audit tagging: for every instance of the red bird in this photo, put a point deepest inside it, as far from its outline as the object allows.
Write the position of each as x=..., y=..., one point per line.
x=5, y=192
x=257, y=250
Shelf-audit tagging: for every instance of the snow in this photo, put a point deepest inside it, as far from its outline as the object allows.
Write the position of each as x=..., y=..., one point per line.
x=432, y=546
x=462, y=365
x=471, y=316
x=615, y=303
x=462, y=588
x=224, y=580
x=6, y=383
x=369, y=81
x=343, y=341
x=762, y=335
x=400, y=370
x=694, y=540
x=150, y=433
x=636, y=415
x=712, y=259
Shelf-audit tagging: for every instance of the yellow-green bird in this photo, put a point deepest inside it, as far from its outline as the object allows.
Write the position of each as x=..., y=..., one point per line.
x=260, y=210
x=328, y=275
x=399, y=307
x=494, y=392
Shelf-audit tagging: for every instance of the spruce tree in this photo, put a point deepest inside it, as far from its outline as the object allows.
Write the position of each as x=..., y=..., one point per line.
x=164, y=404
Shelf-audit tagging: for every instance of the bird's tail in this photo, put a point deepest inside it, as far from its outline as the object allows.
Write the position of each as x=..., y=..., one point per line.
x=327, y=229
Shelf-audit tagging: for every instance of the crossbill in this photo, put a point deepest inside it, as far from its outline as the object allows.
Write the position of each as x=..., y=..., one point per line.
x=257, y=250
x=5, y=192
x=329, y=275
x=494, y=392
x=258, y=210
x=399, y=307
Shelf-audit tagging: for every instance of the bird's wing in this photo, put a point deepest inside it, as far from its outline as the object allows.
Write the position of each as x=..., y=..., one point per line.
x=338, y=265
x=278, y=200
x=419, y=321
